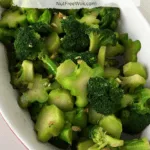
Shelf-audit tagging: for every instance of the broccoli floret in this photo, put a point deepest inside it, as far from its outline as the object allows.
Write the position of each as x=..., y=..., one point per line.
x=132, y=68
x=29, y=45
x=100, y=38
x=49, y=123
x=141, y=102
x=136, y=144
x=131, y=48
x=5, y=3
x=75, y=80
x=104, y=95
x=62, y=99
x=133, y=122
x=75, y=38
x=6, y=35
x=109, y=17
x=106, y=123
x=132, y=82
x=37, y=92
x=102, y=139
x=12, y=19
x=87, y=56
x=24, y=75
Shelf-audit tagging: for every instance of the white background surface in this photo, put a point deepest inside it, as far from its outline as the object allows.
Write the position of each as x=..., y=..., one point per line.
x=8, y=141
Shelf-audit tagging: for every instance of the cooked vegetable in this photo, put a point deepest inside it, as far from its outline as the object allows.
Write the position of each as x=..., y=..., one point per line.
x=101, y=139
x=77, y=75
x=49, y=123
x=104, y=95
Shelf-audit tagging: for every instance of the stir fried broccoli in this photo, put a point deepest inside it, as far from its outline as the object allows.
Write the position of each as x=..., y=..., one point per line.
x=77, y=75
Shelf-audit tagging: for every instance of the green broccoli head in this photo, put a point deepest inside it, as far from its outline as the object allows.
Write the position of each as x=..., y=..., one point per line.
x=100, y=38
x=133, y=122
x=27, y=44
x=141, y=102
x=100, y=137
x=37, y=92
x=75, y=38
x=5, y=3
x=109, y=17
x=104, y=95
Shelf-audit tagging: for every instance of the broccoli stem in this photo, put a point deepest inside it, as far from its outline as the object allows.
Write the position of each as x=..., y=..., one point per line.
x=85, y=145
x=49, y=64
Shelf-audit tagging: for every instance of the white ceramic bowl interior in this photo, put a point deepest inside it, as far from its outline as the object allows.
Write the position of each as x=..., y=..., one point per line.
x=19, y=120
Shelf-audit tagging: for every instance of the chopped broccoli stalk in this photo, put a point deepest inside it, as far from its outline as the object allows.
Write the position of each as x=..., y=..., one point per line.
x=104, y=95
x=90, y=20
x=75, y=81
x=99, y=137
x=49, y=123
x=116, y=50
x=132, y=82
x=100, y=38
x=101, y=56
x=69, y=116
x=53, y=42
x=38, y=91
x=93, y=116
x=127, y=100
x=32, y=15
x=98, y=71
x=141, y=103
x=24, y=76
x=80, y=118
x=136, y=144
x=87, y=56
x=132, y=68
x=76, y=38
x=133, y=122
x=111, y=72
x=29, y=45
x=6, y=35
x=5, y=3
x=111, y=125
x=12, y=19
x=111, y=62
x=85, y=145
x=62, y=99
x=45, y=17
x=56, y=23
x=131, y=48
x=67, y=134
